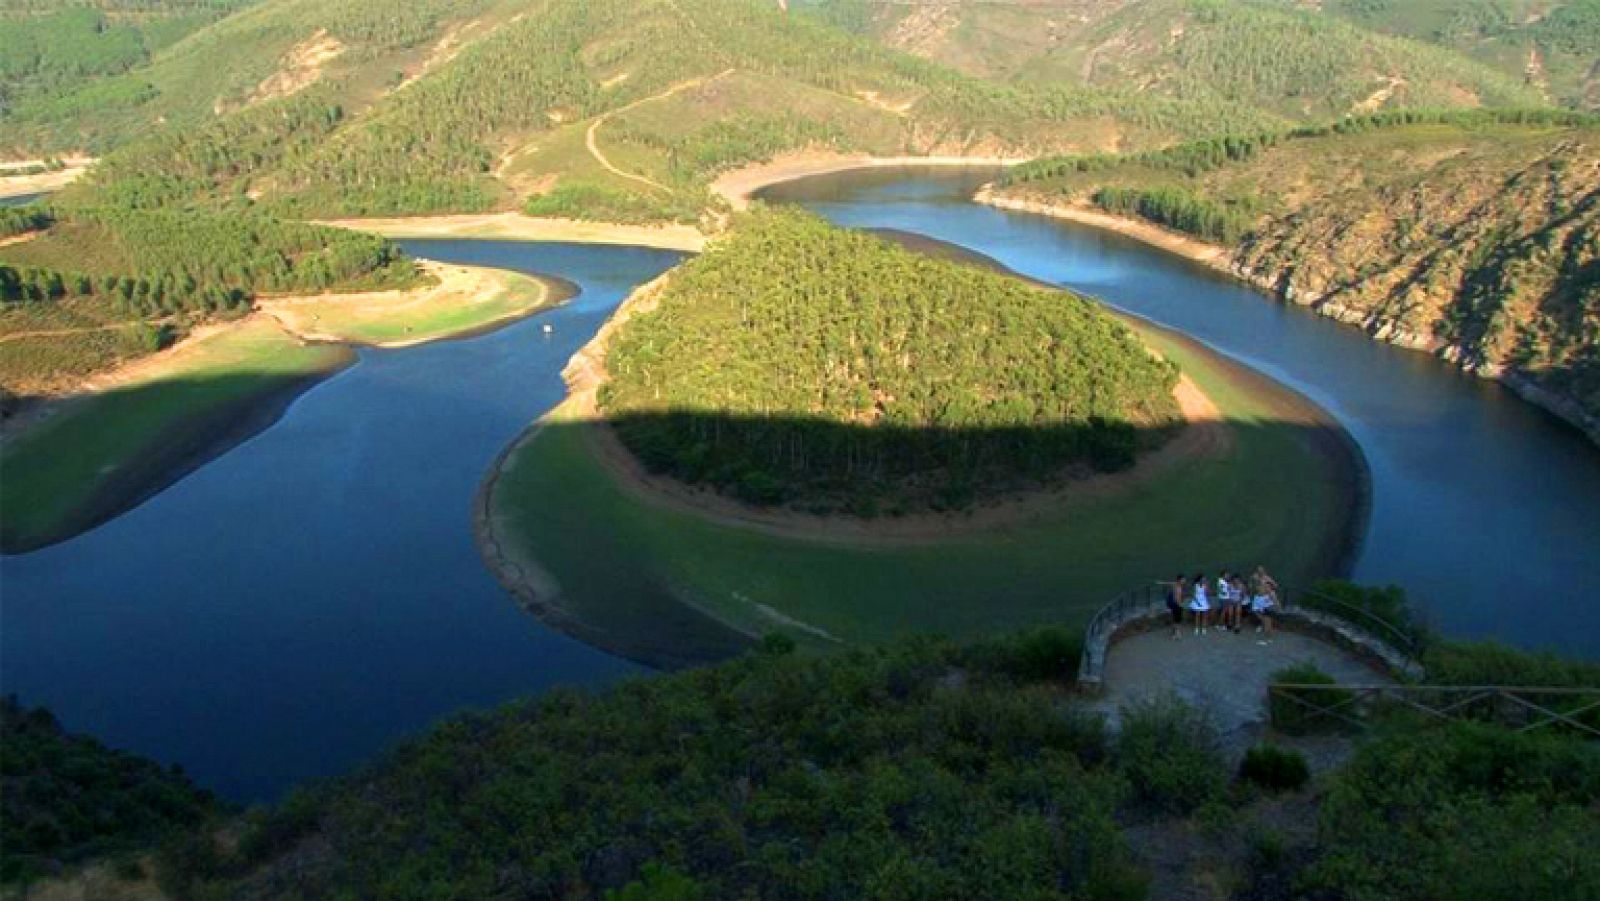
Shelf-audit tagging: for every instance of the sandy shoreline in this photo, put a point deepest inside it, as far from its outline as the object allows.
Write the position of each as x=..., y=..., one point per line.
x=40, y=182
x=518, y=227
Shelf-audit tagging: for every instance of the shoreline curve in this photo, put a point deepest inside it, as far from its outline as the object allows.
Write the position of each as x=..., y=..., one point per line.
x=1218, y=259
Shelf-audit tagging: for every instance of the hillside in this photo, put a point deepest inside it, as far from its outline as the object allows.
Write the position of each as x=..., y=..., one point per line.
x=923, y=769
x=83, y=288
x=621, y=109
x=1551, y=43
x=65, y=798
x=60, y=60
x=1475, y=235
x=796, y=363
x=1279, y=60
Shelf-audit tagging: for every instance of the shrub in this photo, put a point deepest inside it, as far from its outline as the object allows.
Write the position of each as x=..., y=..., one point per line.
x=1170, y=755
x=1046, y=654
x=1274, y=768
x=1462, y=812
x=1291, y=716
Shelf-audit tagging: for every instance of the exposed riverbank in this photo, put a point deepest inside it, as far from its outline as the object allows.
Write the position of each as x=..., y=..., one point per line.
x=518, y=227
x=77, y=460
x=1220, y=259
x=15, y=185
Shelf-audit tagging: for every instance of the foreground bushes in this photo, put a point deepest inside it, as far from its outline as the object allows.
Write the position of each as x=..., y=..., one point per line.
x=924, y=771
x=65, y=798
x=1463, y=812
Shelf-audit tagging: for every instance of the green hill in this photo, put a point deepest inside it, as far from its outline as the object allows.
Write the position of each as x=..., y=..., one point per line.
x=60, y=60
x=796, y=363
x=1477, y=234
x=1277, y=59
x=1551, y=43
x=466, y=105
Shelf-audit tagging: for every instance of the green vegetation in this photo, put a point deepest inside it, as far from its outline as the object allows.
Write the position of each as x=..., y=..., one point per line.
x=1293, y=711
x=1177, y=209
x=923, y=769
x=17, y=220
x=110, y=451
x=103, y=285
x=1286, y=64
x=1171, y=755
x=1274, y=768
x=1462, y=811
x=53, y=57
x=66, y=798
x=1474, y=232
x=1548, y=42
x=556, y=504
x=522, y=75
x=796, y=363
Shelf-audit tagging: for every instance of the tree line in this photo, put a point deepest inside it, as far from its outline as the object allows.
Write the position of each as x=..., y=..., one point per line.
x=1177, y=209
x=1197, y=157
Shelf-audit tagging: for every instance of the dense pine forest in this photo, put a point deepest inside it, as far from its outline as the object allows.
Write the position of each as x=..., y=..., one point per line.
x=1472, y=232
x=797, y=363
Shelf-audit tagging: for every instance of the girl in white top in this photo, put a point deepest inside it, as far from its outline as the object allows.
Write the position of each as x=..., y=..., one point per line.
x=1261, y=606
x=1200, y=605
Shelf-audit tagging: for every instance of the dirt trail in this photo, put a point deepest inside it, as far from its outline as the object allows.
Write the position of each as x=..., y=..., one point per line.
x=590, y=138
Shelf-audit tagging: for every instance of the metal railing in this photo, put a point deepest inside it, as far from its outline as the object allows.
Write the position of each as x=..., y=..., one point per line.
x=1149, y=601
x=1297, y=706
x=1408, y=641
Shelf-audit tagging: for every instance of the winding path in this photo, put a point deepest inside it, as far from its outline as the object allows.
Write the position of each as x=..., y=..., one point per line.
x=590, y=137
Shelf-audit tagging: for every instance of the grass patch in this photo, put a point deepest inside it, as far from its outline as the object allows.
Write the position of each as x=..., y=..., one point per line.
x=101, y=455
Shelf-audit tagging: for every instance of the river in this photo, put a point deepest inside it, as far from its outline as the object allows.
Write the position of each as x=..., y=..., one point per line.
x=299, y=604
x=1484, y=507
x=307, y=599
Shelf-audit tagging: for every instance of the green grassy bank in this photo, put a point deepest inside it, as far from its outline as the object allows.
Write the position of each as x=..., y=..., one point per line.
x=1286, y=494
x=101, y=455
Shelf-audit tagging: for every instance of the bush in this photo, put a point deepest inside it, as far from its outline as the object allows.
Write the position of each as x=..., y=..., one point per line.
x=1274, y=768
x=1169, y=752
x=1462, y=812
x=1291, y=716
x=1047, y=654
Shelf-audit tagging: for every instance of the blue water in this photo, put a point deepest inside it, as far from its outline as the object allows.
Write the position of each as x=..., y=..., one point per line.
x=1485, y=508
x=302, y=602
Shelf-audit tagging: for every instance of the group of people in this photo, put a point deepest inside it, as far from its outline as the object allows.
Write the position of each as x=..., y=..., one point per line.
x=1222, y=602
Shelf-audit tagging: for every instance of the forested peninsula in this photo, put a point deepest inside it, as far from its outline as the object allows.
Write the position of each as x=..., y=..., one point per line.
x=798, y=364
